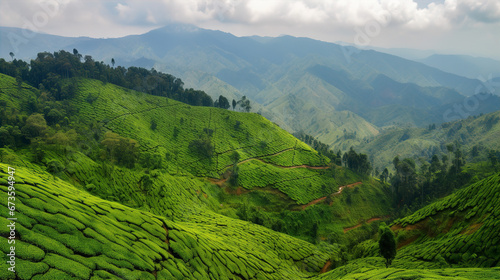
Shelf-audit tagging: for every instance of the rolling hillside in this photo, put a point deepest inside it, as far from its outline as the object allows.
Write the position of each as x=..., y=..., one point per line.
x=298, y=83
x=113, y=183
x=163, y=207
x=481, y=132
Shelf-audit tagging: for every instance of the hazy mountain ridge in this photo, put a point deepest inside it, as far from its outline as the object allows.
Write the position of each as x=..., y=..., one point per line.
x=325, y=77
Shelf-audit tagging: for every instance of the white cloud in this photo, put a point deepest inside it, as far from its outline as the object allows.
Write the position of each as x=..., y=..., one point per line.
x=399, y=20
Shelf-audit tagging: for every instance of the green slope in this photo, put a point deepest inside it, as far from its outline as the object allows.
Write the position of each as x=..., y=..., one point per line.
x=462, y=229
x=107, y=221
x=482, y=132
x=65, y=233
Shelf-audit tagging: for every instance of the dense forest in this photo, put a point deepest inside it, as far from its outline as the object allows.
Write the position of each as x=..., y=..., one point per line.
x=49, y=70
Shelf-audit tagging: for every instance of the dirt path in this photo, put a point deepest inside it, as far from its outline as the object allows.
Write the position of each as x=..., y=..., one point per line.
x=318, y=200
x=367, y=221
x=280, y=166
x=326, y=267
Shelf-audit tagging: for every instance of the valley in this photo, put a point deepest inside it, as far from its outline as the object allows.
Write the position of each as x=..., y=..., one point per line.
x=278, y=164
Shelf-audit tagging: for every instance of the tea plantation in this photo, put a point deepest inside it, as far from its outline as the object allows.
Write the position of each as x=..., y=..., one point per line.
x=126, y=185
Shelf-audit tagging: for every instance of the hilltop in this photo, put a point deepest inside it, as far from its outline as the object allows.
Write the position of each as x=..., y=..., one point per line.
x=109, y=153
x=325, y=89
x=176, y=190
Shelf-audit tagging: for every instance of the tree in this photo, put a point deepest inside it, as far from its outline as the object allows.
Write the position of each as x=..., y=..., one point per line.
x=75, y=53
x=245, y=104
x=223, y=103
x=124, y=150
x=202, y=146
x=492, y=156
x=113, y=62
x=11, y=55
x=384, y=175
x=387, y=244
x=234, y=104
x=35, y=126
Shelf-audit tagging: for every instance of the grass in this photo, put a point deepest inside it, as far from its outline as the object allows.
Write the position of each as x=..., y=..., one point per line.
x=87, y=235
x=459, y=230
x=96, y=219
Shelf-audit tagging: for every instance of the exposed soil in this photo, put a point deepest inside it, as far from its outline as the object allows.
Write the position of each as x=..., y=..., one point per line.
x=217, y=182
x=285, y=167
x=419, y=225
x=367, y=221
x=318, y=200
x=326, y=267
x=407, y=242
x=471, y=229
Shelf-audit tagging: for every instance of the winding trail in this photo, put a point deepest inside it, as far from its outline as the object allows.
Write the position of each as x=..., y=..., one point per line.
x=367, y=221
x=259, y=158
x=326, y=267
x=318, y=200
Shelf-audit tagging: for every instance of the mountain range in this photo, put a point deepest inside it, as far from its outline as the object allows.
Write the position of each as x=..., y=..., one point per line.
x=327, y=90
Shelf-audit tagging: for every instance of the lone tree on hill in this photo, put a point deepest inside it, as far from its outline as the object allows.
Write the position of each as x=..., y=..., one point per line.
x=387, y=244
x=11, y=55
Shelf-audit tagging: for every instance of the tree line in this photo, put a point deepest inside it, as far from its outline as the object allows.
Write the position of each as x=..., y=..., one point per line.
x=47, y=71
x=357, y=162
x=415, y=185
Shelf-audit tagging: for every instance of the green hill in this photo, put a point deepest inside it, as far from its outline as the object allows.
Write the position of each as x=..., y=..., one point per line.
x=448, y=239
x=65, y=233
x=481, y=132
x=461, y=229
x=108, y=153
x=113, y=183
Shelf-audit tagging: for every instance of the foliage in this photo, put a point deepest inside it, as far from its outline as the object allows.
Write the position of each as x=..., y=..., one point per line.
x=50, y=70
x=387, y=244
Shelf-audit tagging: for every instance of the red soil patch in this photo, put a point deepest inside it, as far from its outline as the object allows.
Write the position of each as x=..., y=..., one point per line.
x=166, y=237
x=217, y=182
x=326, y=267
x=351, y=228
x=318, y=200
x=367, y=221
x=407, y=241
x=471, y=229
x=419, y=225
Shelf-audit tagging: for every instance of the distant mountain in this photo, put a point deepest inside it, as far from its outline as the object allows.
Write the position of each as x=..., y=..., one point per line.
x=296, y=82
x=25, y=44
x=464, y=65
x=411, y=54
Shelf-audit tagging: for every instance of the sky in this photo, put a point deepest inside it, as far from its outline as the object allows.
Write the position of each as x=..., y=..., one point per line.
x=450, y=26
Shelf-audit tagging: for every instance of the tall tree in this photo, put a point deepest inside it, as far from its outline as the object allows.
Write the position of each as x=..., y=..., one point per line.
x=234, y=104
x=387, y=244
x=223, y=103
x=113, y=62
x=11, y=55
x=245, y=104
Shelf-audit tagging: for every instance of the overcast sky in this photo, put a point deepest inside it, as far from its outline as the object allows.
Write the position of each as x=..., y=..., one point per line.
x=455, y=26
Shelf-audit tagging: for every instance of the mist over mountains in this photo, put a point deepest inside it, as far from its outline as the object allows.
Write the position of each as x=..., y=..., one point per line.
x=325, y=89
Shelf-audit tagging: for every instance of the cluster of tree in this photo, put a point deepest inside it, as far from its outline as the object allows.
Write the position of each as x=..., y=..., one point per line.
x=319, y=146
x=357, y=162
x=243, y=103
x=436, y=178
x=48, y=70
x=494, y=157
x=122, y=150
x=233, y=179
